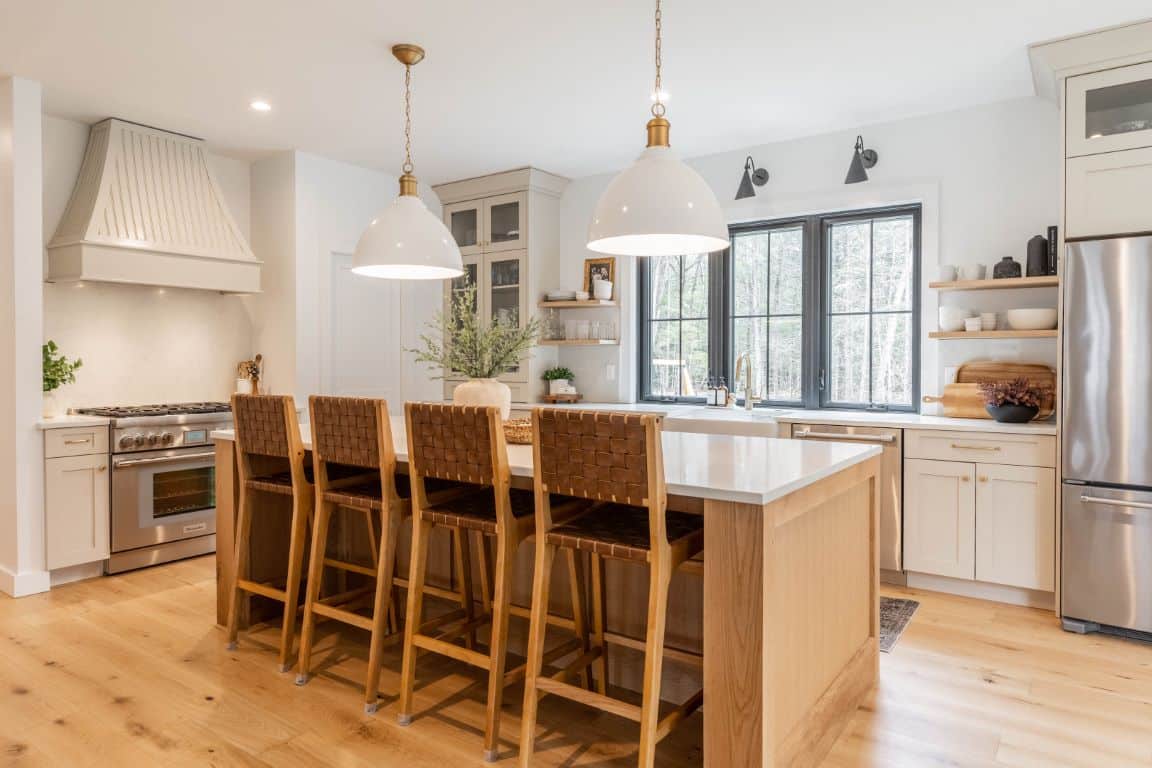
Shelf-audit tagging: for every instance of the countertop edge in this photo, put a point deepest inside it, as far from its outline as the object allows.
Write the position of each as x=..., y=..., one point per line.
x=72, y=420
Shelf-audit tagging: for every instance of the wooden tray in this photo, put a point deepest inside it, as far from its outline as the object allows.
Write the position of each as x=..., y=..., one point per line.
x=963, y=400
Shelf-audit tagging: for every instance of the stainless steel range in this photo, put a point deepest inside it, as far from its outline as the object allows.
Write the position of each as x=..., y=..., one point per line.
x=163, y=481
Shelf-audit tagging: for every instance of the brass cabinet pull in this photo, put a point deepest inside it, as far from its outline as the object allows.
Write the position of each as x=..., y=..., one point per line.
x=959, y=447
x=78, y=442
x=983, y=478
x=965, y=479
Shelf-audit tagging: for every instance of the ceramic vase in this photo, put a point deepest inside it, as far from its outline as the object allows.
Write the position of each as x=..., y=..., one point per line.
x=484, y=392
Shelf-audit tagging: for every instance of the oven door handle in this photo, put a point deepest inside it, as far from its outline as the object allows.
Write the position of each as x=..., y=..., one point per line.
x=161, y=460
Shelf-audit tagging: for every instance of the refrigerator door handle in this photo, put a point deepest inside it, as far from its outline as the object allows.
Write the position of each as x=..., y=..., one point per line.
x=1115, y=502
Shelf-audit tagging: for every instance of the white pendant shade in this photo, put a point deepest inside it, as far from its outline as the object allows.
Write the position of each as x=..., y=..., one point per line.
x=406, y=242
x=658, y=206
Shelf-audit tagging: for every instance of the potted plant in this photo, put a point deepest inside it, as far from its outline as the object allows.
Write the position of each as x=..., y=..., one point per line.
x=459, y=343
x=58, y=371
x=558, y=379
x=1012, y=402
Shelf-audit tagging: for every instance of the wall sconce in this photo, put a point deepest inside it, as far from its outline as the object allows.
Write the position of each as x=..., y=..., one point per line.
x=862, y=159
x=752, y=175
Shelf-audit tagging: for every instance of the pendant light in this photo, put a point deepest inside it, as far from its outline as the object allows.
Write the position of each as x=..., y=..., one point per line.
x=658, y=206
x=406, y=242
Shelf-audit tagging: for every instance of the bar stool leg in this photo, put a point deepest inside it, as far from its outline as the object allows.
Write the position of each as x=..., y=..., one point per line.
x=421, y=529
x=579, y=620
x=658, y=586
x=501, y=602
x=240, y=564
x=537, y=630
x=385, y=566
x=301, y=509
x=599, y=624
x=463, y=552
x=484, y=554
x=321, y=520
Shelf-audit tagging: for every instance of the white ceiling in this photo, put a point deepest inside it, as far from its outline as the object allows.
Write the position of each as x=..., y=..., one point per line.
x=560, y=85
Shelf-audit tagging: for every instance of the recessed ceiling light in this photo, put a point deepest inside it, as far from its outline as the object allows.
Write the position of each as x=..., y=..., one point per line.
x=260, y=106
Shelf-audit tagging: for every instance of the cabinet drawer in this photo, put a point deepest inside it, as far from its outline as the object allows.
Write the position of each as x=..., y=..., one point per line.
x=75, y=441
x=1108, y=194
x=995, y=448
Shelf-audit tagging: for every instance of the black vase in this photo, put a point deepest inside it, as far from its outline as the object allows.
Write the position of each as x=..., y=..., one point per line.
x=1037, y=256
x=1006, y=267
x=1012, y=414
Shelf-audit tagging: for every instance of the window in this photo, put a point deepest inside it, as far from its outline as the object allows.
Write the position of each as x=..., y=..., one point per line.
x=825, y=307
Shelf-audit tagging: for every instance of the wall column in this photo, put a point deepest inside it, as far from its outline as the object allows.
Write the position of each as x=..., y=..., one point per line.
x=22, y=570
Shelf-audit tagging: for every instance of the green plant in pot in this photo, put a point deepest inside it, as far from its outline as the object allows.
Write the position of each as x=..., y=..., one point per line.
x=458, y=342
x=558, y=378
x=58, y=370
x=1014, y=401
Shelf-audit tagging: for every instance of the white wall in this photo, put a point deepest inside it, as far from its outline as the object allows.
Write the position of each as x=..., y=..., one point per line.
x=142, y=344
x=988, y=179
x=21, y=317
x=321, y=329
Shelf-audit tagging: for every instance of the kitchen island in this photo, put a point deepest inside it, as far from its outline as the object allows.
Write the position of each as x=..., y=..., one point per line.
x=791, y=587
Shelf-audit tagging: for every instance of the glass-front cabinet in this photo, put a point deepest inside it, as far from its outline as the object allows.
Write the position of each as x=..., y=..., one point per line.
x=491, y=224
x=501, y=295
x=1109, y=111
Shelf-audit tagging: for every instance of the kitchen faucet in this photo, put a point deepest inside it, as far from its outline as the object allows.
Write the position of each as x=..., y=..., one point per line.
x=745, y=359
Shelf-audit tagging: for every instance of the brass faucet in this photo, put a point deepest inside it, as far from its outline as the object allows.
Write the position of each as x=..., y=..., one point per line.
x=745, y=359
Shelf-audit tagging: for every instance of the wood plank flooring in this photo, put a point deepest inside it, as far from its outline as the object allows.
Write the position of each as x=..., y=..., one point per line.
x=131, y=671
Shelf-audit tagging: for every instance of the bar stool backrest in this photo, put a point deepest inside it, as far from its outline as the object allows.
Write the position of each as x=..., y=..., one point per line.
x=455, y=442
x=353, y=432
x=268, y=435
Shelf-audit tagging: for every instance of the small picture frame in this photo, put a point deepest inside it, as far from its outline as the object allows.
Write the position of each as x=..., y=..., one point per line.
x=599, y=268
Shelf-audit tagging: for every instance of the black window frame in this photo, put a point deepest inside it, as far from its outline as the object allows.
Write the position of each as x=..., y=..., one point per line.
x=814, y=274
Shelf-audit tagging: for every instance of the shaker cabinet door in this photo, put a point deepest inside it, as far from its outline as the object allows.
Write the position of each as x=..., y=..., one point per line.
x=76, y=498
x=1016, y=526
x=1108, y=194
x=940, y=518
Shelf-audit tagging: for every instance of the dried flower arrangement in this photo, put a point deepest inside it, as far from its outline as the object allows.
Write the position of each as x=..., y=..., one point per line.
x=1019, y=391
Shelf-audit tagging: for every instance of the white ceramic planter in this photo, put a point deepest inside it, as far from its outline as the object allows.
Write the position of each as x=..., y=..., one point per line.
x=51, y=407
x=557, y=386
x=486, y=392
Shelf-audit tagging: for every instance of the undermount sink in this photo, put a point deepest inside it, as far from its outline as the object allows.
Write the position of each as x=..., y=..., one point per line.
x=722, y=421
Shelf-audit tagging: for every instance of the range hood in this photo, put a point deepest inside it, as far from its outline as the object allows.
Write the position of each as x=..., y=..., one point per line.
x=147, y=211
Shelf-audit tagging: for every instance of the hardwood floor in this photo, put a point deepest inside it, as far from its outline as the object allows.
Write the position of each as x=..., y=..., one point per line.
x=131, y=671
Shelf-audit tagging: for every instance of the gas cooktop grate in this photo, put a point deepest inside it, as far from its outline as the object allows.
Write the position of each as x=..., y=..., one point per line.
x=165, y=409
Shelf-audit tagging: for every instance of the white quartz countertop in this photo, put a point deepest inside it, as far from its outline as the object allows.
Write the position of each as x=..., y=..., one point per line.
x=759, y=420
x=750, y=470
x=72, y=420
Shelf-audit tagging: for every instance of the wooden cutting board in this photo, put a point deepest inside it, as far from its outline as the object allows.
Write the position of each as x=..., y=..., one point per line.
x=963, y=399
x=1038, y=374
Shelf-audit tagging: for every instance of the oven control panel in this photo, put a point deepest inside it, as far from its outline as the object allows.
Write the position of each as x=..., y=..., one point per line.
x=167, y=436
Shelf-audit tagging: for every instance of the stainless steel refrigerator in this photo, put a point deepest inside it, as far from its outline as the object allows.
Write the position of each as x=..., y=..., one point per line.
x=1106, y=455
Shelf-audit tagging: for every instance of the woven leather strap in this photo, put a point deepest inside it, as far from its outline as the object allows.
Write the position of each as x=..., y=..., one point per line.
x=594, y=455
x=451, y=442
x=260, y=424
x=345, y=429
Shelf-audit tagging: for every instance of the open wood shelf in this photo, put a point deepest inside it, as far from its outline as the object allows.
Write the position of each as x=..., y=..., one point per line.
x=993, y=334
x=578, y=342
x=1043, y=281
x=587, y=304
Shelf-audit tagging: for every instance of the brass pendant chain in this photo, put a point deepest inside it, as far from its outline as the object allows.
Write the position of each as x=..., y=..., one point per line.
x=658, y=105
x=407, y=167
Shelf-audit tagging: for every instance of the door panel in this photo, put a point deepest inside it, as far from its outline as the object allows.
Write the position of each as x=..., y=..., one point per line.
x=76, y=498
x=465, y=222
x=1107, y=383
x=505, y=222
x=940, y=518
x=1109, y=111
x=1106, y=195
x=1016, y=526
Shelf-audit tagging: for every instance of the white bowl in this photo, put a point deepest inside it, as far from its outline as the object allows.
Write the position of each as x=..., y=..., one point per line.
x=1031, y=319
x=952, y=318
x=581, y=295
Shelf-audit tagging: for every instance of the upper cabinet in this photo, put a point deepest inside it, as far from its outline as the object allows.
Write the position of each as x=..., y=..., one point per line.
x=1109, y=111
x=497, y=223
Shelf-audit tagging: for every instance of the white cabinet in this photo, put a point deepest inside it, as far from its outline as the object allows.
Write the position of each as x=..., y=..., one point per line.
x=979, y=520
x=507, y=227
x=1016, y=526
x=1109, y=111
x=1108, y=194
x=76, y=498
x=940, y=518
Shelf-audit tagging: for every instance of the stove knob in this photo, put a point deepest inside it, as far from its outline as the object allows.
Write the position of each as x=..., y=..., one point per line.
x=138, y=440
x=167, y=437
x=153, y=439
x=126, y=441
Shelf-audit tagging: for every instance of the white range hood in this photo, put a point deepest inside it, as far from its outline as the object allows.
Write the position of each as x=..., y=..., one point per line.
x=146, y=210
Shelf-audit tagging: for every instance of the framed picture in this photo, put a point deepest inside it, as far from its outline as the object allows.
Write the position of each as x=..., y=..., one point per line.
x=599, y=268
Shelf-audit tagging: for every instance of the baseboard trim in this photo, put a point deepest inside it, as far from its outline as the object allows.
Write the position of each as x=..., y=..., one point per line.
x=62, y=576
x=982, y=590
x=24, y=583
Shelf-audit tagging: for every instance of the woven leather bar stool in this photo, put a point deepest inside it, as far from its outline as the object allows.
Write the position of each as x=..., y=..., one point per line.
x=466, y=444
x=270, y=460
x=354, y=464
x=614, y=459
